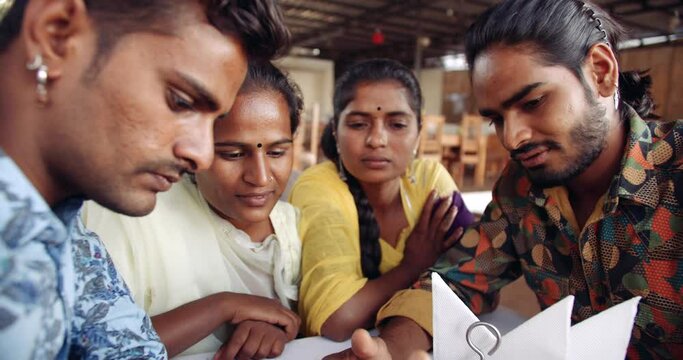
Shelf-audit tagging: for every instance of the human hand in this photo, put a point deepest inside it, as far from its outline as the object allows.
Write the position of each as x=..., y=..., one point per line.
x=253, y=340
x=243, y=307
x=366, y=347
x=363, y=347
x=429, y=238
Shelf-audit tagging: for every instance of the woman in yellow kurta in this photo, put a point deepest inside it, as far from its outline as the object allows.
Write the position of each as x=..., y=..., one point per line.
x=370, y=220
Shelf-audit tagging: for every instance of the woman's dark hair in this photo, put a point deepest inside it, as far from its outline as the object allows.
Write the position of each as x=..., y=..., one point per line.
x=262, y=75
x=560, y=32
x=370, y=71
x=257, y=23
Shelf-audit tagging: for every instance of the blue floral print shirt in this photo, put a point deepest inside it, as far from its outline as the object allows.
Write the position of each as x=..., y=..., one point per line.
x=60, y=295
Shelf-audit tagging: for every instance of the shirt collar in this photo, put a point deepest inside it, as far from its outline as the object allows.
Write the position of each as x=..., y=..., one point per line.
x=637, y=178
x=40, y=222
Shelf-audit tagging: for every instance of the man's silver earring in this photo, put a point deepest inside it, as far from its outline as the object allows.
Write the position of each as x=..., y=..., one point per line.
x=616, y=98
x=41, y=78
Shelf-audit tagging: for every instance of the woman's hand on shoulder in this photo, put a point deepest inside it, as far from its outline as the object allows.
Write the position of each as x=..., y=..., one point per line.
x=244, y=307
x=253, y=340
x=429, y=237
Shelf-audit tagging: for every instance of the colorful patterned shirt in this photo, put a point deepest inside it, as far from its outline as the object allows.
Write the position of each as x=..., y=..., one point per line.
x=60, y=295
x=632, y=245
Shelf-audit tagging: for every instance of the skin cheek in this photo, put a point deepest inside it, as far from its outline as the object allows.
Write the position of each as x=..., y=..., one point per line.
x=282, y=172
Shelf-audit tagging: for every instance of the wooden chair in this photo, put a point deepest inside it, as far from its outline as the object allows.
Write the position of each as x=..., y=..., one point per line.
x=306, y=140
x=431, y=137
x=472, y=150
x=496, y=157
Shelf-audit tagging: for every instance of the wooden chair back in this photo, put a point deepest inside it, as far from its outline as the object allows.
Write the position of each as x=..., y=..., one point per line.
x=307, y=139
x=431, y=137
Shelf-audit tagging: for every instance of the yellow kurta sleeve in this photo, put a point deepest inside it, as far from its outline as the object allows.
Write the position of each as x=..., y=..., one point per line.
x=415, y=304
x=331, y=268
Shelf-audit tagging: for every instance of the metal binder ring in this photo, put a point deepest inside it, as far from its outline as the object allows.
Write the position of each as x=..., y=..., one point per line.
x=474, y=347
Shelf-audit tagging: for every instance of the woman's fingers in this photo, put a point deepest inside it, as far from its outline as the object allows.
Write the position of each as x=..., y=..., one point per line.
x=451, y=240
x=448, y=219
x=443, y=208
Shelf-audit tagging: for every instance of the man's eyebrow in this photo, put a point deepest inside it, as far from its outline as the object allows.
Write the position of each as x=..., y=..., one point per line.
x=203, y=97
x=520, y=94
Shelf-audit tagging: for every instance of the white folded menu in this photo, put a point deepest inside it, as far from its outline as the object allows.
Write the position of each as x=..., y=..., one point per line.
x=548, y=335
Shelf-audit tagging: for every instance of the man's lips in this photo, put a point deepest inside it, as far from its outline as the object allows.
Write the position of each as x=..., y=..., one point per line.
x=163, y=181
x=534, y=157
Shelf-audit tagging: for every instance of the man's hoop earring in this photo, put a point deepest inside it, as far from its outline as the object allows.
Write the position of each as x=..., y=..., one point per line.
x=41, y=78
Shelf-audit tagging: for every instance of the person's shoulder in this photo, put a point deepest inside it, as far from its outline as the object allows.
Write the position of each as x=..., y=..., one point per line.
x=323, y=171
x=285, y=209
x=667, y=143
x=318, y=180
x=427, y=166
x=427, y=171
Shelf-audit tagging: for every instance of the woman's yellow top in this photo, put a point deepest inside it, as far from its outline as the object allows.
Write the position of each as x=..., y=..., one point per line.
x=331, y=268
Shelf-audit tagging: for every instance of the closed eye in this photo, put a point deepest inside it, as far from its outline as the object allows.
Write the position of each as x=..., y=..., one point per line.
x=231, y=155
x=276, y=153
x=495, y=120
x=179, y=101
x=356, y=125
x=533, y=104
x=398, y=125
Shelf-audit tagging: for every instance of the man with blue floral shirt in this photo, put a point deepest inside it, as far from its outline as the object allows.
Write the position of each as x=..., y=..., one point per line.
x=108, y=100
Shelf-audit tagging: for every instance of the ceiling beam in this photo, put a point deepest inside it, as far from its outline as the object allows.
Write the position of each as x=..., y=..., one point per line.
x=371, y=15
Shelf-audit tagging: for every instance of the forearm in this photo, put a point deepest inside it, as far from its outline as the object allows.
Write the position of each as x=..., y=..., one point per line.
x=361, y=309
x=186, y=325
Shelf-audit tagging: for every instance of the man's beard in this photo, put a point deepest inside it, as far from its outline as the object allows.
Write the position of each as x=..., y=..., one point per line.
x=589, y=137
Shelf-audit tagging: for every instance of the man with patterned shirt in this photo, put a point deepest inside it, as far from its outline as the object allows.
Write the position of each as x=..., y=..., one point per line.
x=109, y=100
x=591, y=204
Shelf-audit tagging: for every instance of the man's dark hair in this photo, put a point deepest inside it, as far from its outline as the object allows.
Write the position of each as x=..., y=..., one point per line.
x=559, y=32
x=257, y=23
x=262, y=75
x=369, y=71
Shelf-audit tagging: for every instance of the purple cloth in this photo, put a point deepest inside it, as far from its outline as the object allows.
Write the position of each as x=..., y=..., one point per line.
x=464, y=217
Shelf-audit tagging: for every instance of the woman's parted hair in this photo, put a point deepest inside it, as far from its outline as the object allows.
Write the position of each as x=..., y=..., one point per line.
x=263, y=75
x=560, y=32
x=369, y=71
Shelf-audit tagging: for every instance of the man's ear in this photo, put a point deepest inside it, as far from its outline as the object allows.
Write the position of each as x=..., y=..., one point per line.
x=50, y=28
x=602, y=69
